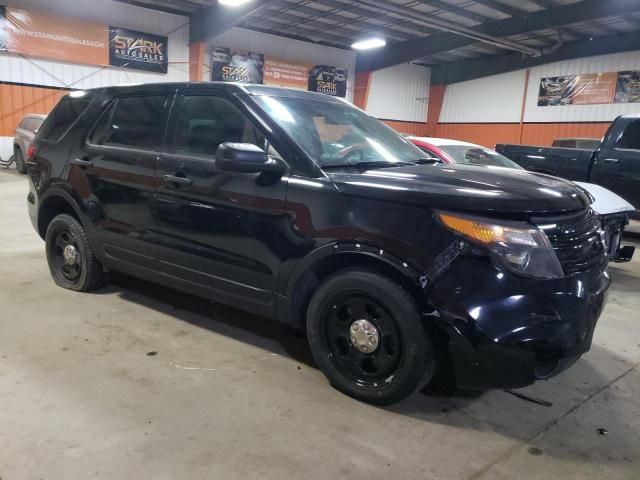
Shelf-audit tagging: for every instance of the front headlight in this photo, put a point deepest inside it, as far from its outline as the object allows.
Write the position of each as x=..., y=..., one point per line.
x=522, y=248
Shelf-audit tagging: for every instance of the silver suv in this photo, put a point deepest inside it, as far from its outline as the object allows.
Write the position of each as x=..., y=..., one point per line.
x=25, y=132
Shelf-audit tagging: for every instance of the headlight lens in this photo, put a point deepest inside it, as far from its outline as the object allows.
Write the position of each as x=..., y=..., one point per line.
x=522, y=248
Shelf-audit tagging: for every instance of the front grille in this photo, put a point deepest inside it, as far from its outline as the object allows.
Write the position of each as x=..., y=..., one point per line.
x=577, y=240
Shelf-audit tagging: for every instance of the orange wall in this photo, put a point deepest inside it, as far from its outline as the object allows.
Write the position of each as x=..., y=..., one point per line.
x=487, y=134
x=18, y=100
x=543, y=134
x=414, y=128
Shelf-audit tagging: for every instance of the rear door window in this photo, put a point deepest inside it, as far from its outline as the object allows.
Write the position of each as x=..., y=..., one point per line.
x=630, y=139
x=63, y=116
x=35, y=124
x=136, y=122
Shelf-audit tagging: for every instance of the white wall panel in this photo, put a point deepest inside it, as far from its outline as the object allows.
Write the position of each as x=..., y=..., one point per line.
x=495, y=99
x=288, y=49
x=14, y=68
x=579, y=113
x=400, y=93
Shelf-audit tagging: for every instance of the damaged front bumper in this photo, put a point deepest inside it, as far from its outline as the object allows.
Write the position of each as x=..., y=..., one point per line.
x=508, y=331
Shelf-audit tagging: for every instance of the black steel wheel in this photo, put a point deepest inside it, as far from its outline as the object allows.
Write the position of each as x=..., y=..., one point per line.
x=21, y=164
x=71, y=260
x=366, y=335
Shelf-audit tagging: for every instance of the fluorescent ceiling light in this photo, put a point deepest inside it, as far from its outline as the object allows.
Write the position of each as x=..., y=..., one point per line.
x=232, y=3
x=367, y=44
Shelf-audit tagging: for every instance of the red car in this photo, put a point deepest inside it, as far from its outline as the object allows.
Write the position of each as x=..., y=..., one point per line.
x=454, y=151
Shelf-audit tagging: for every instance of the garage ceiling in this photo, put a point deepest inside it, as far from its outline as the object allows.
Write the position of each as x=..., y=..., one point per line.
x=338, y=23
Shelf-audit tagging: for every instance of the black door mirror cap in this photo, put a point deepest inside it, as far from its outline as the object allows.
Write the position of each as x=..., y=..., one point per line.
x=246, y=158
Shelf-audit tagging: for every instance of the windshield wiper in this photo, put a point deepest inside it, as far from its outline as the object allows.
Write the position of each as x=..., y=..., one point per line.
x=372, y=164
x=426, y=161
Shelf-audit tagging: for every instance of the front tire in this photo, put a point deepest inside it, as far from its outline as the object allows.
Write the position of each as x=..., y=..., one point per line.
x=21, y=165
x=72, y=262
x=366, y=335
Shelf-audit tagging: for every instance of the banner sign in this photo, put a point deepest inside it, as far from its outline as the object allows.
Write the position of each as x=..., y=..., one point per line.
x=229, y=65
x=142, y=51
x=285, y=73
x=328, y=80
x=236, y=66
x=589, y=89
x=628, y=87
x=41, y=35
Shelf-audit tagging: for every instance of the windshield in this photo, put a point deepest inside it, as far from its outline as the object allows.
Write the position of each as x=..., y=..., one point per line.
x=475, y=155
x=338, y=134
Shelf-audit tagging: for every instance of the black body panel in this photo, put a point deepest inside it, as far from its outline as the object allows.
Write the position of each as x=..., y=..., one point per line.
x=614, y=165
x=263, y=241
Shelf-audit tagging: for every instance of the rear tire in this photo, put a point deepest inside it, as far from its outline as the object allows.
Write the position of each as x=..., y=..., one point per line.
x=21, y=165
x=392, y=360
x=72, y=262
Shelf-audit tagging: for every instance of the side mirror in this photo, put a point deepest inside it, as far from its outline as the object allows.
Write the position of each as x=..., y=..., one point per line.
x=246, y=158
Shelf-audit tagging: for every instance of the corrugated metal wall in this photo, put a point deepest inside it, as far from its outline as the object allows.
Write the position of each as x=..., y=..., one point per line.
x=579, y=113
x=494, y=99
x=399, y=93
x=37, y=74
x=488, y=110
x=288, y=49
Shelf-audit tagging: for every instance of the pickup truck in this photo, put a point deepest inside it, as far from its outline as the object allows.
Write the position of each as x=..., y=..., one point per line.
x=615, y=164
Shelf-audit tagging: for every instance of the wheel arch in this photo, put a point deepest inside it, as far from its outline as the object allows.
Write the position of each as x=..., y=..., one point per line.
x=53, y=203
x=323, y=262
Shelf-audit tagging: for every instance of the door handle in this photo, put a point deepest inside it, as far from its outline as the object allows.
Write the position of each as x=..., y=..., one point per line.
x=176, y=179
x=611, y=160
x=82, y=163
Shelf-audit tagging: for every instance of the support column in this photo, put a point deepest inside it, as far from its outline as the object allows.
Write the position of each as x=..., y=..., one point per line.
x=197, y=54
x=361, y=89
x=434, y=107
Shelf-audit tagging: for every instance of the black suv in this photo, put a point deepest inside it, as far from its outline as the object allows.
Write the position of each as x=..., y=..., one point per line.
x=300, y=207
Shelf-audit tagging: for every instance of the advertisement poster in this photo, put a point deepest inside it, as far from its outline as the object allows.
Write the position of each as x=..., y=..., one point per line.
x=585, y=89
x=229, y=65
x=628, y=87
x=137, y=50
x=37, y=34
x=3, y=29
x=41, y=35
x=328, y=80
x=285, y=73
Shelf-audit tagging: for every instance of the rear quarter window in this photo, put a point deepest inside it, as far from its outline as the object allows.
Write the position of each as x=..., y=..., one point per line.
x=63, y=116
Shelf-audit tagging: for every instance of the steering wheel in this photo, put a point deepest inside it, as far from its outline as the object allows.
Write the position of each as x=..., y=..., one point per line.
x=352, y=154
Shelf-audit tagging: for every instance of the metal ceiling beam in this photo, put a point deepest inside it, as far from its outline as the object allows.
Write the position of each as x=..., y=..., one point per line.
x=269, y=26
x=501, y=7
x=210, y=21
x=314, y=16
x=448, y=26
x=365, y=11
x=347, y=30
x=483, y=67
x=441, y=42
x=459, y=11
x=176, y=8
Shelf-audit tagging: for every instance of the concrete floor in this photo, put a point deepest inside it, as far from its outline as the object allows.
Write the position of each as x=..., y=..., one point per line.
x=136, y=381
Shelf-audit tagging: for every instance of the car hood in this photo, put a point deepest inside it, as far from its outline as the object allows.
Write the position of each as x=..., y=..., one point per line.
x=464, y=187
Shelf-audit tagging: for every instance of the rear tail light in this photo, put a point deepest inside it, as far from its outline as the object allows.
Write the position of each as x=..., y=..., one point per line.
x=31, y=152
